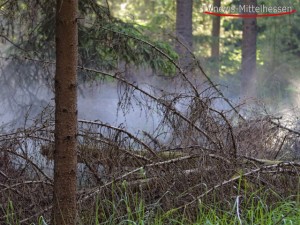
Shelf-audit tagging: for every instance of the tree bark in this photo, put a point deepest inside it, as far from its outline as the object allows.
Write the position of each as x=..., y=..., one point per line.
x=65, y=155
x=215, y=46
x=184, y=30
x=248, y=78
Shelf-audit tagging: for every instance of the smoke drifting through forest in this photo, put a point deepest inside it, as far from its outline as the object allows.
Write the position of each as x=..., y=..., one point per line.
x=96, y=101
x=171, y=142
x=161, y=137
x=100, y=100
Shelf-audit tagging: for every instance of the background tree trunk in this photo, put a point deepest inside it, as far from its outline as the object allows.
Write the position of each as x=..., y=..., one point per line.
x=248, y=78
x=184, y=30
x=215, y=45
x=65, y=155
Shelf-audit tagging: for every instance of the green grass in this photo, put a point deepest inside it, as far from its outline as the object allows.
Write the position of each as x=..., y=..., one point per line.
x=253, y=210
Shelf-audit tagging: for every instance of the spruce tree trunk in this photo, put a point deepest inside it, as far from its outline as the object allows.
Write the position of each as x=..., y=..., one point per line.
x=184, y=30
x=65, y=155
x=215, y=46
x=248, y=79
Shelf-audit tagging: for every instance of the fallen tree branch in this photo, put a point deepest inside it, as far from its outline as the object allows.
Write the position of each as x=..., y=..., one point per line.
x=159, y=101
x=123, y=131
x=235, y=178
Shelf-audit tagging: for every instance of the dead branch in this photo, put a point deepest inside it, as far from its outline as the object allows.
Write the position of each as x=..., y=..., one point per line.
x=123, y=131
x=167, y=106
x=235, y=178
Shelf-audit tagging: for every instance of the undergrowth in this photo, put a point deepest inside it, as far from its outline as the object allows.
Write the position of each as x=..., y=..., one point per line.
x=254, y=208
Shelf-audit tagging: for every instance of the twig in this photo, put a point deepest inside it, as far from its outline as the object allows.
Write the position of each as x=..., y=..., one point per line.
x=14, y=44
x=234, y=145
x=186, y=172
x=280, y=147
x=24, y=183
x=278, y=165
x=131, y=153
x=162, y=53
x=3, y=174
x=123, y=131
x=210, y=81
x=3, y=4
x=36, y=214
x=32, y=163
x=163, y=103
x=284, y=127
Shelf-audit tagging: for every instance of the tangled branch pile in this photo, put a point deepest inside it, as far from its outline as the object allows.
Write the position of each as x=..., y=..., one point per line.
x=196, y=153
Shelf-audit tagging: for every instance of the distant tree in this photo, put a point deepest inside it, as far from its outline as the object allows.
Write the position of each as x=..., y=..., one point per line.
x=65, y=155
x=215, y=44
x=184, y=30
x=248, y=74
